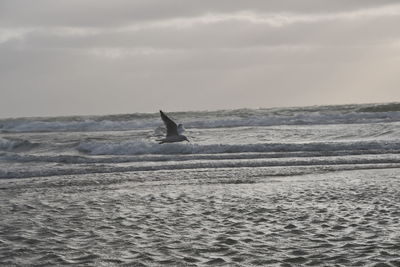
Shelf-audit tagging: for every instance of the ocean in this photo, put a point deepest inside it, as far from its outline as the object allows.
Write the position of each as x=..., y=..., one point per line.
x=297, y=186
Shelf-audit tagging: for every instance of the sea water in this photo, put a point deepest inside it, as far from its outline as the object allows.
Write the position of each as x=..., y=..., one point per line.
x=279, y=186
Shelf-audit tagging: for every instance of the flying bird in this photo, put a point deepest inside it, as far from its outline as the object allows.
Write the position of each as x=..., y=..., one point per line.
x=174, y=132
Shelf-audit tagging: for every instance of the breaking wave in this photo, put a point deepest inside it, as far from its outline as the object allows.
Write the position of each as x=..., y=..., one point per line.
x=15, y=144
x=391, y=107
x=316, y=137
x=317, y=164
x=73, y=126
x=141, y=148
x=216, y=119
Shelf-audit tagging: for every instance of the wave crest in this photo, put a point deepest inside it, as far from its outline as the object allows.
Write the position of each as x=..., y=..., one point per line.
x=15, y=144
x=234, y=118
x=142, y=147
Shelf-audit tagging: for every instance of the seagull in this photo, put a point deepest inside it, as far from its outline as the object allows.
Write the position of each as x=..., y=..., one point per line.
x=174, y=132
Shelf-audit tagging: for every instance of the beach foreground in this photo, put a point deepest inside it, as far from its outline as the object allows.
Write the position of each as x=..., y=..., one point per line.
x=232, y=217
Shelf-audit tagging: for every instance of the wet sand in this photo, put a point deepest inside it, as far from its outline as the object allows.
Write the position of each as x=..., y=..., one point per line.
x=222, y=217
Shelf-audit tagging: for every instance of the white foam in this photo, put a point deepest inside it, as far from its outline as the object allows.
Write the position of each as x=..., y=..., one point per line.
x=142, y=147
x=318, y=164
x=70, y=126
x=6, y=144
x=10, y=144
x=200, y=120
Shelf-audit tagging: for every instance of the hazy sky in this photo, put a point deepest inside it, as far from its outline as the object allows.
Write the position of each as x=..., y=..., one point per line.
x=122, y=56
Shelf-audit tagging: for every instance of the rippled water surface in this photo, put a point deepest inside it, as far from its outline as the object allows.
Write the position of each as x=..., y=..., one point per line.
x=226, y=217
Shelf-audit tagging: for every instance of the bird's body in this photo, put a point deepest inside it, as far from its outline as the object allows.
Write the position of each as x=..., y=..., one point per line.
x=173, y=131
x=173, y=139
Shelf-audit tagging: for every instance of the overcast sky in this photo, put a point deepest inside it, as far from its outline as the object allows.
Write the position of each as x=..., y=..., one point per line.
x=71, y=57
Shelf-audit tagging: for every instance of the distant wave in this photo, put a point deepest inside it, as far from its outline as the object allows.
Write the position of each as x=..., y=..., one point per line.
x=200, y=120
x=391, y=107
x=15, y=144
x=73, y=126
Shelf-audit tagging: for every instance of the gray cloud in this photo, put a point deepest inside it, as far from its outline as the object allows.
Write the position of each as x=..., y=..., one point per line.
x=107, y=14
x=97, y=57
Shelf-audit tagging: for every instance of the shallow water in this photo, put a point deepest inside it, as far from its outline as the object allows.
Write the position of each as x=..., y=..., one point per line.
x=232, y=217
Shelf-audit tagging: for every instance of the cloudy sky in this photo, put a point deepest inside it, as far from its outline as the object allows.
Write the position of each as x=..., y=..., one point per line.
x=71, y=57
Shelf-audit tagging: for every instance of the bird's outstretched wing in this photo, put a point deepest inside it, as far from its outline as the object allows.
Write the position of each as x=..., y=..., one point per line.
x=172, y=128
